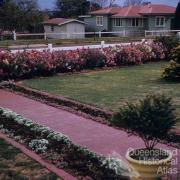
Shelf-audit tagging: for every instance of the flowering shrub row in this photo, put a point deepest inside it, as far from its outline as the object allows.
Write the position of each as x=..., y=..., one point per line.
x=35, y=63
x=42, y=139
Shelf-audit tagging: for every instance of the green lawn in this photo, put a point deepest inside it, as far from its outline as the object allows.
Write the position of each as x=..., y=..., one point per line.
x=110, y=88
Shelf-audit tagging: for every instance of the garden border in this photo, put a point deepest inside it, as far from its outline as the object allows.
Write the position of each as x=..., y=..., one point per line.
x=78, y=158
x=76, y=107
x=52, y=168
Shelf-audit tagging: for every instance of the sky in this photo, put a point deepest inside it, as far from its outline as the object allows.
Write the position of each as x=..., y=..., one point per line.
x=49, y=4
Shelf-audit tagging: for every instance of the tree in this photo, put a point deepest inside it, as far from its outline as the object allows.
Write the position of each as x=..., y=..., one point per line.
x=19, y=15
x=134, y=2
x=72, y=8
x=177, y=17
x=104, y=3
x=94, y=6
x=29, y=13
x=101, y=3
x=8, y=15
x=112, y=3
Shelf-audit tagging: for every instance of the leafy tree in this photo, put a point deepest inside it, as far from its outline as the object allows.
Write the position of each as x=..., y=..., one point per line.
x=19, y=15
x=72, y=8
x=177, y=17
x=8, y=15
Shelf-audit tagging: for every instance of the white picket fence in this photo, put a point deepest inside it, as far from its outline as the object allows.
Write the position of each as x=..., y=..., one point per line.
x=126, y=33
x=156, y=33
x=75, y=35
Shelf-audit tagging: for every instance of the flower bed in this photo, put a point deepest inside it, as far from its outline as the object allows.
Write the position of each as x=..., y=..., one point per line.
x=43, y=139
x=24, y=65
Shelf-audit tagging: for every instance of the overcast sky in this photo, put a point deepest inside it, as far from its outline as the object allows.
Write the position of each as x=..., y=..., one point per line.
x=49, y=4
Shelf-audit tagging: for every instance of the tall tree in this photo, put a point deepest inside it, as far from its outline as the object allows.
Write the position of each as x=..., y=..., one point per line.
x=177, y=17
x=19, y=15
x=105, y=3
x=101, y=3
x=133, y=2
x=29, y=13
x=72, y=8
x=94, y=6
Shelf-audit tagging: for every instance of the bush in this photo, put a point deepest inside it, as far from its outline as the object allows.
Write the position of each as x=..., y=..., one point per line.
x=93, y=58
x=172, y=72
x=150, y=119
x=128, y=55
x=39, y=145
x=169, y=42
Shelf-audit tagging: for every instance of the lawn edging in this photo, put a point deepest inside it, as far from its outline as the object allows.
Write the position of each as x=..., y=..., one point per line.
x=76, y=107
x=77, y=157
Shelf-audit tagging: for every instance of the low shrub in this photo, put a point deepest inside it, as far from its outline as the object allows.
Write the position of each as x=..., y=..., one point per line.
x=41, y=139
x=151, y=119
x=169, y=42
x=39, y=145
x=93, y=58
x=172, y=72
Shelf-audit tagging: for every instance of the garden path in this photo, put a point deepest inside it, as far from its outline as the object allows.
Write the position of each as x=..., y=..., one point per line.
x=95, y=136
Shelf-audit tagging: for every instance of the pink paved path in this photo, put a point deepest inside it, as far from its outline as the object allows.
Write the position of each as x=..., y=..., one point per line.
x=97, y=137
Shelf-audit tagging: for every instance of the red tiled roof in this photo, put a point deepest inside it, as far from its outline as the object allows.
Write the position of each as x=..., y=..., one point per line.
x=112, y=10
x=157, y=9
x=137, y=11
x=131, y=11
x=61, y=21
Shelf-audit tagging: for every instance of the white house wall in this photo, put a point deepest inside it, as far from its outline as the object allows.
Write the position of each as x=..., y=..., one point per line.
x=67, y=29
x=57, y=29
x=75, y=28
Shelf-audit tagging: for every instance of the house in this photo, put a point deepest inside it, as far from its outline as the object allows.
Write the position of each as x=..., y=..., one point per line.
x=131, y=19
x=61, y=28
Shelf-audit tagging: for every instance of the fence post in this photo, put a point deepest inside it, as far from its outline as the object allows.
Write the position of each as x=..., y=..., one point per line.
x=124, y=33
x=14, y=36
x=99, y=34
x=50, y=48
x=145, y=33
x=102, y=44
x=45, y=36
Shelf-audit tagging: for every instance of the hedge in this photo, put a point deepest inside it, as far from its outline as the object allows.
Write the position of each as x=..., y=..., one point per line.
x=23, y=65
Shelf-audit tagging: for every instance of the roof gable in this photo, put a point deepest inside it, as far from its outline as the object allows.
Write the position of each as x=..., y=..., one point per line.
x=61, y=21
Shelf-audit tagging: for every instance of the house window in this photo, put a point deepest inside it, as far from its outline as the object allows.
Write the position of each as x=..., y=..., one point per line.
x=117, y=22
x=160, y=21
x=52, y=28
x=137, y=22
x=99, y=20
